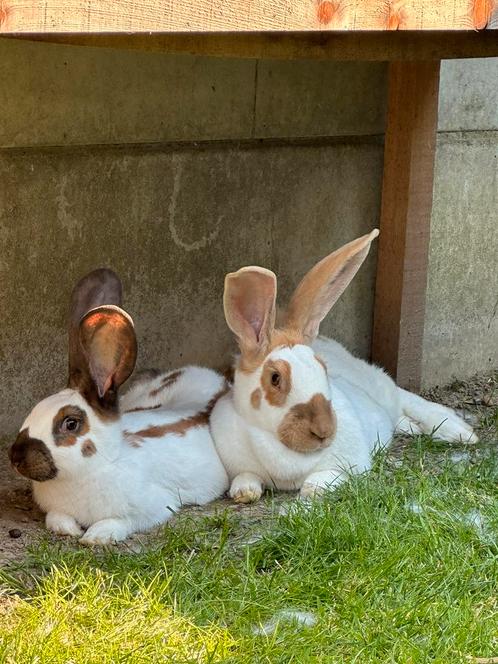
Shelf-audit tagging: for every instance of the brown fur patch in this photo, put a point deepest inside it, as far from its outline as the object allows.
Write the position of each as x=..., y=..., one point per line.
x=276, y=395
x=166, y=382
x=256, y=398
x=88, y=448
x=32, y=458
x=68, y=438
x=181, y=427
x=228, y=373
x=132, y=439
x=321, y=361
x=310, y=426
x=107, y=408
x=140, y=408
x=287, y=338
x=320, y=288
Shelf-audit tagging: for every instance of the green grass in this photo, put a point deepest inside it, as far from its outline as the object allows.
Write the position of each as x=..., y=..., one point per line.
x=394, y=567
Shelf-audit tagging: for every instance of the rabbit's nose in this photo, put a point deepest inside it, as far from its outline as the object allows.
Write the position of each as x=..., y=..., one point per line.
x=32, y=458
x=322, y=418
x=321, y=428
x=16, y=455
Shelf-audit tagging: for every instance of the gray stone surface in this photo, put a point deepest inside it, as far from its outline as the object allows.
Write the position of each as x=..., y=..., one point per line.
x=171, y=223
x=461, y=331
x=299, y=98
x=469, y=95
x=138, y=184
x=66, y=95
x=70, y=95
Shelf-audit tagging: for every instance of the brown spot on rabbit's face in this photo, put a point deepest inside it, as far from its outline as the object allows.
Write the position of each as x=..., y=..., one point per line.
x=31, y=458
x=68, y=425
x=310, y=426
x=256, y=398
x=276, y=381
x=88, y=448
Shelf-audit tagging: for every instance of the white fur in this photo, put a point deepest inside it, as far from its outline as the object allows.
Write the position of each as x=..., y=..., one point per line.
x=369, y=408
x=122, y=488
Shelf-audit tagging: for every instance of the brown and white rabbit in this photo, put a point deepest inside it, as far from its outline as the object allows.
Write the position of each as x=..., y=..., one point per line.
x=101, y=472
x=303, y=413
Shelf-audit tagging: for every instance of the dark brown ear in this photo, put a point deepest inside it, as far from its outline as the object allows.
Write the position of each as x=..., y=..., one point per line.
x=323, y=285
x=249, y=303
x=97, y=288
x=108, y=341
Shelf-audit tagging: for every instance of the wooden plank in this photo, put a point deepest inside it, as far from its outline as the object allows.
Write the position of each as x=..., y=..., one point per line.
x=47, y=16
x=410, y=146
x=372, y=46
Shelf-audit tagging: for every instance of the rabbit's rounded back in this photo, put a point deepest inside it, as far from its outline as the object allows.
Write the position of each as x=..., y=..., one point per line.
x=63, y=433
x=280, y=384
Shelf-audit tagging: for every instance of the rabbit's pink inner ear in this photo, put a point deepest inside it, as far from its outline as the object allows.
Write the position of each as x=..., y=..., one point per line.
x=108, y=340
x=249, y=303
x=323, y=285
x=97, y=288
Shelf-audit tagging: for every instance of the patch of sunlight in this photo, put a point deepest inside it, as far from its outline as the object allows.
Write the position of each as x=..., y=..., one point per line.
x=95, y=618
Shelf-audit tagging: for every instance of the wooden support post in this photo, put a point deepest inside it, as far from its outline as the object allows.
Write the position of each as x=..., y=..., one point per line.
x=409, y=152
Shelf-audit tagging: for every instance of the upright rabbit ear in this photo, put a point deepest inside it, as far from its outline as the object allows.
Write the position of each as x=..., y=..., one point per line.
x=323, y=285
x=107, y=339
x=249, y=303
x=97, y=288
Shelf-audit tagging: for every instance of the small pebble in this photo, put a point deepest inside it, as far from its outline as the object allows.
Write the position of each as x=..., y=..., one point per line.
x=415, y=507
x=15, y=533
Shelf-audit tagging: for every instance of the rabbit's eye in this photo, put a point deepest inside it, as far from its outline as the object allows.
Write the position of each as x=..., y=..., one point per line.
x=70, y=425
x=275, y=379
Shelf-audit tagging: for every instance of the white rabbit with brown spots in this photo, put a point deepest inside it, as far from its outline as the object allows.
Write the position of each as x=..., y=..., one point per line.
x=102, y=470
x=303, y=413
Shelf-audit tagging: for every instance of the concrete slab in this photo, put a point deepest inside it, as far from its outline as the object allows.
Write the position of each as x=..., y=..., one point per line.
x=461, y=329
x=70, y=95
x=306, y=98
x=469, y=95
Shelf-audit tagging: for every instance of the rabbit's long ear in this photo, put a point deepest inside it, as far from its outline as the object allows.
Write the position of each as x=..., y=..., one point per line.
x=323, y=285
x=249, y=303
x=108, y=341
x=97, y=288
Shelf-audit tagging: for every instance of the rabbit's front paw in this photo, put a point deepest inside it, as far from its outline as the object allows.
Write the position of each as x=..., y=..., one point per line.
x=309, y=490
x=62, y=524
x=246, y=488
x=106, y=531
x=317, y=483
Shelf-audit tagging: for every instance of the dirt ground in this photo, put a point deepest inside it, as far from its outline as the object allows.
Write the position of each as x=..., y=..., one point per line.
x=21, y=522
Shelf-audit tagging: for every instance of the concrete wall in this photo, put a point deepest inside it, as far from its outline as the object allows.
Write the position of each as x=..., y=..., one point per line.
x=174, y=170
x=461, y=331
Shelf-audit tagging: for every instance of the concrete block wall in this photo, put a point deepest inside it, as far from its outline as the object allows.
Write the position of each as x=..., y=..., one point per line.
x=174, y=170
x=461, y=328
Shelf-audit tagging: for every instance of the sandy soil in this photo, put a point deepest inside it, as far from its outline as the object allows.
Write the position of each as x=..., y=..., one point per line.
x=21, y=523
x=20, y=519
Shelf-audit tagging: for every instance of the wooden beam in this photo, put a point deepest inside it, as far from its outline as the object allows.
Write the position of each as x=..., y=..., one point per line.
x=410, y=146
x=243, y=15
x=373, y=46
